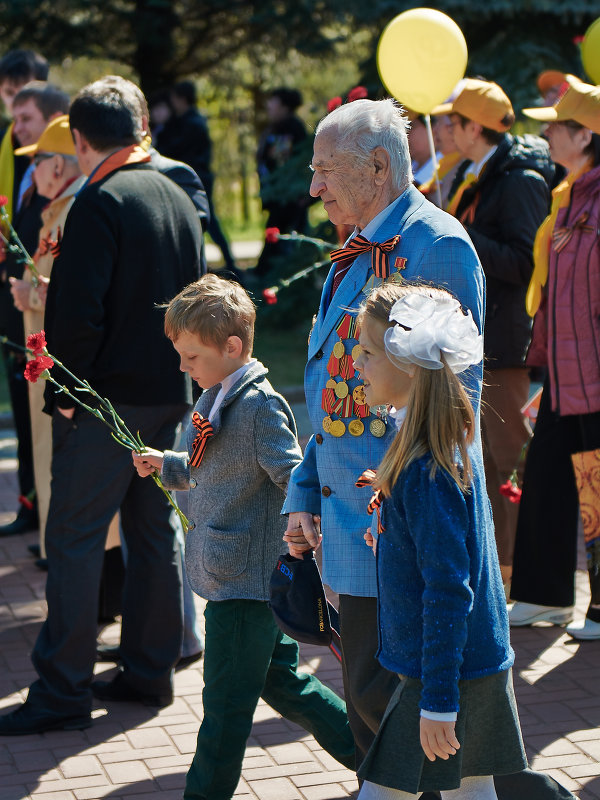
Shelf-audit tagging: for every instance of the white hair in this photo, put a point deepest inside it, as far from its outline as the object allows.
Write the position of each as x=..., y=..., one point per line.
x=363, y=125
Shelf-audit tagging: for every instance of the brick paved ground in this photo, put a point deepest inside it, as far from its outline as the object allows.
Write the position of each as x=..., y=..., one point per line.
x=131, y=755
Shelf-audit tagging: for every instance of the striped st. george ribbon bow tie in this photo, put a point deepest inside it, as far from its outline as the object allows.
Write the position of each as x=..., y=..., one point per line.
x=562, y=235
x=379, y=253
x=366, y=479
x=205, y=431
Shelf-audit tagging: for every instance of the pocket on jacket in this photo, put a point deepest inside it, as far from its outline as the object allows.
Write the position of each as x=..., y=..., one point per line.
x=225, y=554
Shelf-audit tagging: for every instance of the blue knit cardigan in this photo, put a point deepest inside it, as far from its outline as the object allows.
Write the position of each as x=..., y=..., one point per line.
x=441, y=604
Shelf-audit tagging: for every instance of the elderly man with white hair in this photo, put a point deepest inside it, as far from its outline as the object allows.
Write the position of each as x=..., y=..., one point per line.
x=362, y=173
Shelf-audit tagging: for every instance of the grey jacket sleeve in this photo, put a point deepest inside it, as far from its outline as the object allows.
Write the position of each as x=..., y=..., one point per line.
x=276, y=446
x=175, y=473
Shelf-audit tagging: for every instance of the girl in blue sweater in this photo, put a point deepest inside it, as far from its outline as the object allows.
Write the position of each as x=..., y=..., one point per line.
x=452, y=724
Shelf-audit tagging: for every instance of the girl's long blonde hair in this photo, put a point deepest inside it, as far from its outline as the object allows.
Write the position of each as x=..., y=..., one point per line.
x=439, y=415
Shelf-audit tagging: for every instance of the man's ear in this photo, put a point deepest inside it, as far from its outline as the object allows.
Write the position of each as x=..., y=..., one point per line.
x=381, y=162
x=81, y=142
x=474, y=129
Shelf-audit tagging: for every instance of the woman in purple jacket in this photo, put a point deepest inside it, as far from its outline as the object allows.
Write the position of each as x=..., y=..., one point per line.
x=564, y=295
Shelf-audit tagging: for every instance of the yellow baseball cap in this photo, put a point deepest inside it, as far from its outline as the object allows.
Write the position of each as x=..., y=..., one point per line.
x=578, y=101
x=56, y=138
x=483, y=102
x=548, y=79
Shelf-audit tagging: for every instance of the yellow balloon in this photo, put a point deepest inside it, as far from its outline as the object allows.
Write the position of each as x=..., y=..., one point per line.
x=421, y=56
x=590, y=52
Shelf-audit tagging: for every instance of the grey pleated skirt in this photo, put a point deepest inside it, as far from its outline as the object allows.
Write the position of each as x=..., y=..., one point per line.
x=487, y=728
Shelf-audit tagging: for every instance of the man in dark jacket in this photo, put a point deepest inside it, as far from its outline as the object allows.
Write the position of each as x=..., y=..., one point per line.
x=185, y=137
x=131, y=242
x=501, y=194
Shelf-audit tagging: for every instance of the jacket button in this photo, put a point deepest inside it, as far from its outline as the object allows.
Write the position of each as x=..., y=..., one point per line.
x=191, y=525
x=319, y=355
x=193, y=483
x=319, y=439
x=326, y=491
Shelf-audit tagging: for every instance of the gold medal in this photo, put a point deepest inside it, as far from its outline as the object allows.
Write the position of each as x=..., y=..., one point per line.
x=338, y=349
x=331, y=384
x=358, y=395
x=327, y=422
x=377, y=428
x=341, y=389
x=356, y=427
x=337, y=428
x=356, y=351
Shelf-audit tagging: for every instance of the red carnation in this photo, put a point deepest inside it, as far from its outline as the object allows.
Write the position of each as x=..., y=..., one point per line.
x=510, y=490
x=358, y=93
x=271, y=235
x=270, y=296
x=36, y=367
x=334, y=103
x=3, y=200
x=37, y=342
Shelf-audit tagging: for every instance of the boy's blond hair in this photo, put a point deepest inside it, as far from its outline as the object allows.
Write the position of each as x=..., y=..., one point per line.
x=214, y=309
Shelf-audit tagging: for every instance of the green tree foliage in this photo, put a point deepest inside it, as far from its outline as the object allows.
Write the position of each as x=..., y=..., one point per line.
x=166, y=39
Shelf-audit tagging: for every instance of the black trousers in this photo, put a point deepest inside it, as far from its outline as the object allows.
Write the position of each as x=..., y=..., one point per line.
x=368, y=688
x=92, y=478
x=546, y=543
x=19, y=398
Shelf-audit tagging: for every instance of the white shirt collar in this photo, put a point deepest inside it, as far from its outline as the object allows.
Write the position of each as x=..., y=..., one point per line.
x=227, y=384
x=371, y=228
x=476, y=168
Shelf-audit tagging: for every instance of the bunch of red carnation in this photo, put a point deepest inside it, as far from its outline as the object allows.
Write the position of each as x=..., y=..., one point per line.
x=36, y=342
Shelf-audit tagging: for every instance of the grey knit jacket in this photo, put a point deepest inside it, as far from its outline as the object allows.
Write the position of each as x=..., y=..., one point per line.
x=236, y=494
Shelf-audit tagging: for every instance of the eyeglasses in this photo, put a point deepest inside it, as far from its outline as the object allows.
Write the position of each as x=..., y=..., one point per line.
x=39, y=157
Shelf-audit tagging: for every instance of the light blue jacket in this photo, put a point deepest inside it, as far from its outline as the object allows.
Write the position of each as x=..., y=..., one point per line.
x=437, y=250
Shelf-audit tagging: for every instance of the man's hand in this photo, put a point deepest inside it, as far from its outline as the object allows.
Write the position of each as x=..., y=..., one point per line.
x=20, y=292
x=67, y=412
x=303, y=533
x=147, y=462
x=438, y=739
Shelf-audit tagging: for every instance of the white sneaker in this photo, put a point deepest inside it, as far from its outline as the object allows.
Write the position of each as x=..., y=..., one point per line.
x=528, y=613
x=584, y=629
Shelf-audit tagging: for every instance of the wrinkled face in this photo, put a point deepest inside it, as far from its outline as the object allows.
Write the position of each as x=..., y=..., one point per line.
x=567, y=143
x=384, y=382
x=8, y=90
x=205, y=363
x=44, y=174
x=29, y=122
x=346, y=188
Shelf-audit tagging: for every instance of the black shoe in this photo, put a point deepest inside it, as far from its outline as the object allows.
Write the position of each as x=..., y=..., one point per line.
x=23, y=523
x=42, y=563
x=28, y=719
x=185, y=661
x=108, y=653
x=35, y=550
x=120, y=690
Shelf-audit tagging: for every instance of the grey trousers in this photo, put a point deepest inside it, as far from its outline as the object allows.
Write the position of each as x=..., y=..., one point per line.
x=92, y=478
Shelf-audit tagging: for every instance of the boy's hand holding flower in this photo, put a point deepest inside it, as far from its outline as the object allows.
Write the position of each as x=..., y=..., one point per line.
x=147, y=461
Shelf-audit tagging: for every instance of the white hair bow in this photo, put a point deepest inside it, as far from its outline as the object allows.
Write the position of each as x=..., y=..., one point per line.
x=429, y=326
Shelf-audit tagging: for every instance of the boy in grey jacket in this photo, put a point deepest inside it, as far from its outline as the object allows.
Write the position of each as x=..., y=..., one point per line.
x=241, y=448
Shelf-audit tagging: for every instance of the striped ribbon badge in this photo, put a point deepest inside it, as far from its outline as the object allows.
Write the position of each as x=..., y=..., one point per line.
x=205, y=431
